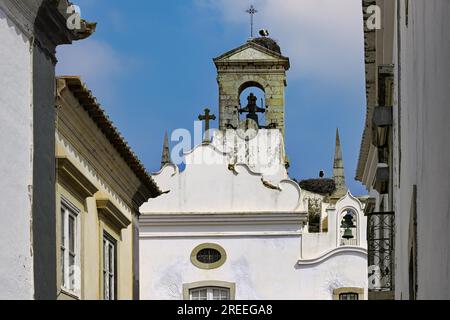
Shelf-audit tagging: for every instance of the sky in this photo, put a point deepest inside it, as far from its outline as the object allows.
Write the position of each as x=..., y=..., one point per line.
x=149, y=64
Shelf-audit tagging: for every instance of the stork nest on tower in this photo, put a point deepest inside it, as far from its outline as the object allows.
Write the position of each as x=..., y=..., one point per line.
x=268, y=43
x=320, y=186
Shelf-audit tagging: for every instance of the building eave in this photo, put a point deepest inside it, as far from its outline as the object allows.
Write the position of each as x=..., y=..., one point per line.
x=99, y=116
x=370, y=71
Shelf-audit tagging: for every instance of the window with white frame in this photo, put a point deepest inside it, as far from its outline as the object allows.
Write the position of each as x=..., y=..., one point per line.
x=209, y=293
x=70, y=266
x=109, y=267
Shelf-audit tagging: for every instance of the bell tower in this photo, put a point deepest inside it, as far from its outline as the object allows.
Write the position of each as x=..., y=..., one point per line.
x=258, y=63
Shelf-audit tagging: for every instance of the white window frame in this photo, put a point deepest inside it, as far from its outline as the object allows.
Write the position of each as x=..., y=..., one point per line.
x=210, y=293
x=109, y=272
x=70, y=284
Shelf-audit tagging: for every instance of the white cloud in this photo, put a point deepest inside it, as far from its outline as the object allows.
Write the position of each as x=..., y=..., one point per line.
x=323, y=38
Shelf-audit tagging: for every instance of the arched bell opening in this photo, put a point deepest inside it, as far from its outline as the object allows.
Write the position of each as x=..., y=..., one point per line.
x=252, y=102
x=348, y=228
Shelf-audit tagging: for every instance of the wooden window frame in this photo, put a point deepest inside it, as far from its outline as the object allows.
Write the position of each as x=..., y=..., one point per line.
x=68, y=210
x=109, y=291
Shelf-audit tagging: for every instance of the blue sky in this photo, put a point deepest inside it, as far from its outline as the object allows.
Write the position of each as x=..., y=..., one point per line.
x=150, y=66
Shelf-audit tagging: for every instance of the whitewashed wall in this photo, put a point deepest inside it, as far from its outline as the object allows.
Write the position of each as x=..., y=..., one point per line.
x=208, y=184
x=319, y=244
x=262, y=268
x=259, y=224
x=424, y=127
x=16, y=144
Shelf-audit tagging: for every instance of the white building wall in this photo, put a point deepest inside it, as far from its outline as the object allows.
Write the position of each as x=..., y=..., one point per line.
x=422, y=117
x=16, y=144
x=261, y=267
x=258, y=223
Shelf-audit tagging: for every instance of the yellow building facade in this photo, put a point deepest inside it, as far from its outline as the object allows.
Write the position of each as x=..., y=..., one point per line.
x=100, y=186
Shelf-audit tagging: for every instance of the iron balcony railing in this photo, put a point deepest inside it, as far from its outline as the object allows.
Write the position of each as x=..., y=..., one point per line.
x=380, y=238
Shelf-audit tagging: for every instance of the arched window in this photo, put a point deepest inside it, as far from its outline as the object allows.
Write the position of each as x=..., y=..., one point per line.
x=349, y=228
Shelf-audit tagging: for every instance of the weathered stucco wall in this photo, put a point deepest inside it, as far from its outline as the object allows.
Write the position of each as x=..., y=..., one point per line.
x=422, y=118
x=236, y=188
x=262, y=268
x=16, y=166
x=258, y=223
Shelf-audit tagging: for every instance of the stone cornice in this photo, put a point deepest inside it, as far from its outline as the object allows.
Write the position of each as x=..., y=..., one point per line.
x=222, y=225
x=209, y=219
x=224, y=68
x=199, y=235
x=278, y=59
x=45, y=22
x=111, y=213
x=71, y=176
x=51, y=27
x=22, y=14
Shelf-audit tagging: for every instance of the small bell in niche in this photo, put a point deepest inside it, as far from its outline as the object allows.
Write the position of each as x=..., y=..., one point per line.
x=348, y=225
x=348, y=234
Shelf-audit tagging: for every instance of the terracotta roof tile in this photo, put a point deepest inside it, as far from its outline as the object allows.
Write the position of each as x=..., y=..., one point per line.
x=99, y=116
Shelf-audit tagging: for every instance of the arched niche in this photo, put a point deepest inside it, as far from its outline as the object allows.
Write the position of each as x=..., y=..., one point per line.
x=255, y=88
x=250, y=84
x=356, y=230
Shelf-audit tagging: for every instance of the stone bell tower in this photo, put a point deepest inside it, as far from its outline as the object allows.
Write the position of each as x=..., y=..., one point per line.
x=258, y=63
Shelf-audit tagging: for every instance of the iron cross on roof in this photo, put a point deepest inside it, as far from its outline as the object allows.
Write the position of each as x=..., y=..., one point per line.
x=251, y=11
x=207, y=117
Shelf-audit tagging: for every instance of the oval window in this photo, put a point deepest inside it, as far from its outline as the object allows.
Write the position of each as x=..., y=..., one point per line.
x=208, y=256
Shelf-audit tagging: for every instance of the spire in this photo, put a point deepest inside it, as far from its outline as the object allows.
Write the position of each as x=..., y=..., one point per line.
x=165, y=159
x=338, y=170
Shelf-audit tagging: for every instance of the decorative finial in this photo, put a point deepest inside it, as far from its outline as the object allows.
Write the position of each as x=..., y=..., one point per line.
x=338, y=169
x=165, y=158
x=251, y=11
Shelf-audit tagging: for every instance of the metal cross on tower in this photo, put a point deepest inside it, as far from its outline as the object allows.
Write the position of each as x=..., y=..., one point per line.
x=207, y=117
x=251, y=11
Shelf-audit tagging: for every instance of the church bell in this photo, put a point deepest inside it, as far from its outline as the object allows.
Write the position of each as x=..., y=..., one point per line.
x=348, y=225
x=348, y=234
x=347, y=222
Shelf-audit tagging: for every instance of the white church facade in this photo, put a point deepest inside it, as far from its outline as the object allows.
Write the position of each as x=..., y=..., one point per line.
x=233, y=225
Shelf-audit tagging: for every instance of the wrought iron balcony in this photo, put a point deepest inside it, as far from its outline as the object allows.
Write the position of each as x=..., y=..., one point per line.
x=380, y=237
